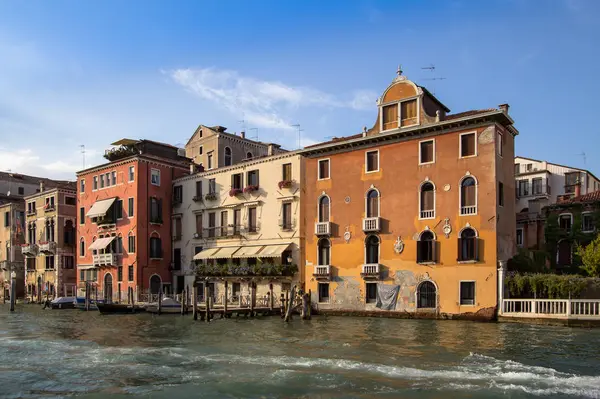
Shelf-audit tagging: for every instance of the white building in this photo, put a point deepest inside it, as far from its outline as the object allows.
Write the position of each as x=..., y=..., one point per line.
x=243, y=215
x=541, y=183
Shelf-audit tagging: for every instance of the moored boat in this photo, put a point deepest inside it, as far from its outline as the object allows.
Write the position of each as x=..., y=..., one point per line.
x=168, y=305
x=80, y=303
x=64, y=302
x=113, y=308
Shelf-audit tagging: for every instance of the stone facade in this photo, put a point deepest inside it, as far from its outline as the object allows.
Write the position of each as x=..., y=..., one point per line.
x=12, y=228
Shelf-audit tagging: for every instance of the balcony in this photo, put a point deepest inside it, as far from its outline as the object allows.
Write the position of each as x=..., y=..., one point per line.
x=222, y=232
x=198, y=198
x=123, y=151
x=322, y=272
x=468, y=210
x=430, y=214
x=29, y=249
x=48, y=247
x=371, y=224
x=49, y=207
x=104, y=259
x=370, y=271
x=323, y=228
x=31, y=212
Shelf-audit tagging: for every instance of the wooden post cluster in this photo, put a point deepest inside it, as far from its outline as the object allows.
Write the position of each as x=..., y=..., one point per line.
x=207, y=301
x=290, y=304
x=282, y=304
x=160, y=294
x=13, y=294
x=87, y=296
x=195, y=301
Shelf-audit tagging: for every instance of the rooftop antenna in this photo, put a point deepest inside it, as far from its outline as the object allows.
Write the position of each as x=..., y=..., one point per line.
x=9, y=181
x=582, y=154
x=431, y=68
x=299, y=130
x=82, y=146
x=255, y=137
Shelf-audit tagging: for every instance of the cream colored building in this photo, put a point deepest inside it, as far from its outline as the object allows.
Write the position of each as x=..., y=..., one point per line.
x=50, y=226
x=213, y=147
x=12, y=223
x=240, y=216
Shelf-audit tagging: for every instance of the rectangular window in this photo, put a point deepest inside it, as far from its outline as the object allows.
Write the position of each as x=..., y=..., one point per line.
x=120, y=273
x=426, y=152
x=210, y=160
x=324, y=169
x=70, y=201
x=224, y=223
x=50, y=262
x=371, y=292
x=155, y=210
x=212, y=186
x=155, y=248
x=177, y=259
x=21, y=190
x=200, y=150
x=252, y=178
x=130, y=273
x=237, y=216
x=81, y=215
x=529, y=167
x=81, y=249
x=468, y=249
x=199, y=189
x=114, y=178
x=199, y=225
x=131, y=244
x=523, y=188
x=252, y=219
x=372, y=161
x=587, y=222
x=536, y=186
x=467, y=145
x=177, y=229
x=565, y=222
x=212, y=223
x=95, y=183
x=499, y=143
x=236, y=181
x=236, y=289
x=408, y=112
x=107, y=177
x=286, y=216
x=517, y=169
x=500, y=193
x=6, y=219
x=119, y=209
x=467, y=292
x=101, y=181
x=130, y=208
x=131, y=173
x=571, y=180
x=519, y=237
x=68, y=262
x=324, y=292
x=178, y=194
x=82, y=186
x=155, y=177
x=426, y=250
x=390, y=116
x=286, y=174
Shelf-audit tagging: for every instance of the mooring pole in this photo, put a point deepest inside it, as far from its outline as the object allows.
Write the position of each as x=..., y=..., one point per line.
x=225, y=300
x=207, y=301
x=13, y=291
x=282, y=304
x=195, y=302
x=160, y=294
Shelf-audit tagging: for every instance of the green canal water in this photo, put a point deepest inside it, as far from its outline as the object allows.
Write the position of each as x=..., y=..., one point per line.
x=66, y=353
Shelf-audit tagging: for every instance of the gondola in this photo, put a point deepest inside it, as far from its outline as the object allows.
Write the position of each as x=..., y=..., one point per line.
x=115, y=308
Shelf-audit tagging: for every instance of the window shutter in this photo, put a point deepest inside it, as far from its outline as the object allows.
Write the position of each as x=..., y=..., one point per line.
x=257, y=179
x=160, y=218
x=459, y=257
x=475, y=248
x=434, y=251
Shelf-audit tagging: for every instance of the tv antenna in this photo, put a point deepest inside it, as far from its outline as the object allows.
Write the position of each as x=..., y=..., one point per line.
x=299, y=131
x=255, y=137
x=582, y=154
x=432, y=69
x=82, y=146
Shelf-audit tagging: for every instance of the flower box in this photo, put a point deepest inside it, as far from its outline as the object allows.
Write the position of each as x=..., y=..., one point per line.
x=234, y=191
x=210, y=196
x=250, y=189
x=285, y=184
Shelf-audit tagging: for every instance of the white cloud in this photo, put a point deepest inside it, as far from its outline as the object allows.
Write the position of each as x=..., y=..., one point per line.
x=267, y=104
x=17, y=160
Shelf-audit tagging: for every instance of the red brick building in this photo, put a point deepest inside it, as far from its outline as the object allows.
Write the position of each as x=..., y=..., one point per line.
x=123, y=228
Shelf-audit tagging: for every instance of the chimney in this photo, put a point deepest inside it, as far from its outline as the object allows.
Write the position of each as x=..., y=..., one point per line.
x=504, y=108
x=192, y=168
x=437, y=115
x=577, y=188
x=243, y=134
x=270, y=149
x=364, y=132
x=41, y=186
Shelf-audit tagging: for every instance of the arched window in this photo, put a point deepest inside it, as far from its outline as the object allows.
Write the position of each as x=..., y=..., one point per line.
x=372, y=250
x=427, y=201
x=426, y=295
x=82, y=247
x=324, y=209
x=372, y=203
x=108, y=288
x=155, y=284
x=248, y=155
x=227, y=156
x=468, y=245
x=468, y=196
x=426, y=248
x=155, y=246
x=324, y=255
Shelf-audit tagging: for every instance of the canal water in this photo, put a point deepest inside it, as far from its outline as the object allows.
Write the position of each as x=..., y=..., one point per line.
x=66, y=353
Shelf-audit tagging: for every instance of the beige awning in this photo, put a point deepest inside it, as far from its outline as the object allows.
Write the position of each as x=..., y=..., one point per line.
x=205, y=254
x=86, y=267
x=100, y=208
x=224, y=253
x=248, y=252
x=101, y=243
x=273, y=251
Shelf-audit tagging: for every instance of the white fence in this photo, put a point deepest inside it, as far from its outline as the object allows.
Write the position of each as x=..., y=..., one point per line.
x=571, y=309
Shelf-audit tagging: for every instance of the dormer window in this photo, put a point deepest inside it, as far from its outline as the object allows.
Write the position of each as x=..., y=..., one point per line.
x=403, y=113
x=390, y=116
x=408, y=113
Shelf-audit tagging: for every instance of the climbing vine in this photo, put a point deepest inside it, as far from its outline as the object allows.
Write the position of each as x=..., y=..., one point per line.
x=550, y=286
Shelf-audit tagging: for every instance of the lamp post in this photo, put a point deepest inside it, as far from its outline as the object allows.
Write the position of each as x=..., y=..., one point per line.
x=13, y=286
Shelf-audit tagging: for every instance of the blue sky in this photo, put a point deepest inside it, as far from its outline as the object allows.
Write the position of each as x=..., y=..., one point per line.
x=91, y=72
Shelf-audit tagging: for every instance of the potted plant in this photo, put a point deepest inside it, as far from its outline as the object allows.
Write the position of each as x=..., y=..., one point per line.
x=210, y=196
x=251, y=188
x=285, y=184
x=234, y=191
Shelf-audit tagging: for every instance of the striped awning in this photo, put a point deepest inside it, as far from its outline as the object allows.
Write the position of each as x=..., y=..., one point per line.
x=86, y=267
x=100, y=208
x=273, y=251
x=101, y=243
x=248, y=252
x=205, y=254
x=224, y=252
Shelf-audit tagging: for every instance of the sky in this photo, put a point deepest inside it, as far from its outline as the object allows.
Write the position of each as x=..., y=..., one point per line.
x=88, y=73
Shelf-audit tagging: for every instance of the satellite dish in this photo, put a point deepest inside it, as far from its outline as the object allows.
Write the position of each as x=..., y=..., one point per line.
x=8, y=193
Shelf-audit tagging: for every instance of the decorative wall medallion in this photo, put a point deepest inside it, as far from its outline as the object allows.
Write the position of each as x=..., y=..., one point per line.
x=347, y=199
x=399, y=245
x=347, y=235
x=447, y=229
x=446, y=187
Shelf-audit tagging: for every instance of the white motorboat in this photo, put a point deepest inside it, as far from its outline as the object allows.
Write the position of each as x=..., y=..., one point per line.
x=168, y=305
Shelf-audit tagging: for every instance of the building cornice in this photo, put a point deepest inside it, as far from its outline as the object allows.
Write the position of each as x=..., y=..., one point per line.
x=48, y=192
x=125, y=161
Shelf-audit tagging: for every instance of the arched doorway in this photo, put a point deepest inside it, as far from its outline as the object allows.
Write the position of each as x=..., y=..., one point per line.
x=108, y=289
x=155, y=284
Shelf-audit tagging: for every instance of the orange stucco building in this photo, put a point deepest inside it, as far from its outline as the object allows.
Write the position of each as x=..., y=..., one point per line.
x=414, y=215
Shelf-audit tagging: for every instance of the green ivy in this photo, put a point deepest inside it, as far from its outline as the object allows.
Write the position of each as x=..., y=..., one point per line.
x=244, y=269
x=550, y=286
